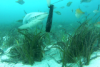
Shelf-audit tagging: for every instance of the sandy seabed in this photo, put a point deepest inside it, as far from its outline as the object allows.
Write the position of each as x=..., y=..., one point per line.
x=50, y=62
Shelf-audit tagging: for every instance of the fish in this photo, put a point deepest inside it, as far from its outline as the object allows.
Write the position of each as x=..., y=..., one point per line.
x=86, y=6
x=55, y=7
x=97, y=24
x=72, y=10
x=62, y=7
x=85, y=1
x=57, y=12
x=32, y=19
x=20, y=20
x=48, y=2
x=20, y=2
x=79, y=13
x=60, y=26
x=69, y=3
x=96, y=11
x=57, y=1
x=79, y=22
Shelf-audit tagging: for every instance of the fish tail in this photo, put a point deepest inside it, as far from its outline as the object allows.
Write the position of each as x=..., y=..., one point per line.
x=16, y=1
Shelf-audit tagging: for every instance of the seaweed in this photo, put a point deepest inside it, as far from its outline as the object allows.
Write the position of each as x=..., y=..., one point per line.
x=8, y=35
x=31, y=50
x=80, y=44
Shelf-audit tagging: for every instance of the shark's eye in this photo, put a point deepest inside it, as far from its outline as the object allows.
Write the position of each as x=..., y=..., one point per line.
x=36, y=16
x=33, y=18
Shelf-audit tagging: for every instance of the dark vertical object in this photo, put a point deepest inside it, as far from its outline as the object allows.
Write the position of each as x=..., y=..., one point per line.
x=98, y=7
x=49, y=21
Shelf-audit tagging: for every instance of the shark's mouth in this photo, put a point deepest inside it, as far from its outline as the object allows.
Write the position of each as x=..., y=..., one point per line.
x=33, y=19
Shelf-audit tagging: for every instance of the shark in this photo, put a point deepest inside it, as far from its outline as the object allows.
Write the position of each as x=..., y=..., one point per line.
x=32, y=19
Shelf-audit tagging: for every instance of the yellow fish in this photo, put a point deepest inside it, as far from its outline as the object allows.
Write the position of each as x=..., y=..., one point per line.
x=17, y=42
x=79, y=13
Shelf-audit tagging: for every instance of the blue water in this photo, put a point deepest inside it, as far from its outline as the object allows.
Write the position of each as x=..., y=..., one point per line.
x=10, y=11
x=62, y=25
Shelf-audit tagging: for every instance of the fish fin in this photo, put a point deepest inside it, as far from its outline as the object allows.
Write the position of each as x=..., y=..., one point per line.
x=48, y=2
x=25, y=12
x=16, y=1
x=78, y=15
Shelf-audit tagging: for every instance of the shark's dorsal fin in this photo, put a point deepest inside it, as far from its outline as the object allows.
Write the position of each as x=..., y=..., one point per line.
x=25, y=12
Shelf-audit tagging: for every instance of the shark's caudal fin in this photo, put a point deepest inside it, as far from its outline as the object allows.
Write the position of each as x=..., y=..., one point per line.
x=33, y=19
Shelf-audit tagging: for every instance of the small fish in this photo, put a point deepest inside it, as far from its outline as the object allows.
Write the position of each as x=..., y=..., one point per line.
x=79, y=13
x=72, y=10
x=57, y=1
x=86, y=6
x=55, y=7
x=79, y=22
x=69, y=3
x=96, y=11
x=97, y=24
x=20, y=2
x=48, y=3
x=17, y=41
x=20, y=20
x=62, y=7
x=1, y=52
x=57, y=12
x=85, y=1
x=60, y=26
